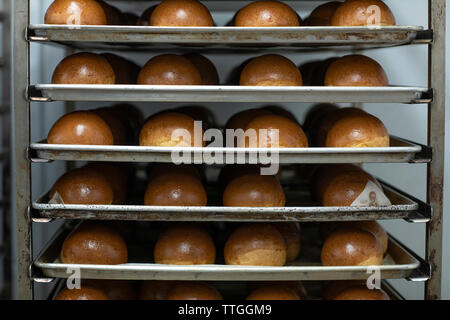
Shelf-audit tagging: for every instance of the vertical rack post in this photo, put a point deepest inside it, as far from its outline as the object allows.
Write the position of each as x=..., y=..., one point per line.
x=22, y=165
x=436, y=136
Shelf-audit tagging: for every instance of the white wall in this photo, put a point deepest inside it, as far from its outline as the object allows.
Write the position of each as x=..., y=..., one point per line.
x=404, y=65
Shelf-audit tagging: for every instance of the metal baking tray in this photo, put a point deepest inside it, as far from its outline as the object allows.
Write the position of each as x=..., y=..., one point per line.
x=398, y=263
x=400, y=151
x=136, y=37
x=299, y=207
x=227, y=93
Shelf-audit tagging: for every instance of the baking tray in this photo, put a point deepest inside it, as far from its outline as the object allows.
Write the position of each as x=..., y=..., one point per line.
x=227, y=93
x=138, y=37
x=398, y=263
x=300, y=208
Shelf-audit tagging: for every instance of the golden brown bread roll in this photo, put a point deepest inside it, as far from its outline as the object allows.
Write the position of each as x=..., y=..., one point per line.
x=296, y=286
x=185, y=245
x=114, y=289
x=267, y=14
x=333, y=288
x=117, y=177
x=208, y=71
x=355, y=13
x=84, y=68
x=155, y=290
x=356, y=71
x=241, y=119
x=291, y=235
x=163, y=130
x=358, y=131
x=126, y=72
x=361, y=292
x=281, y=133
x=94, y=243
x=194, y=291
x=199, y=113
x=271, y=70
x=231, y=171
x=321, y=16
x=273, y=293
x=81, y=127
x=255, y=244
x=115, y=123
x=75, y=12
x=175, y=188
x=254, y=190
x=181, y=13
x=351, y=247
x=169, y=69
x=84, y=293
x=83, y=186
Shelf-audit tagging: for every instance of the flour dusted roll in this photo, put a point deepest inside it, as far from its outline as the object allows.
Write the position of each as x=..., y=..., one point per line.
x=267, y=14
x=181, y=13
x=357, y=131
x=75, y=12
x=255, y=244
x=81, y=127
x=355, y=13
x=322, y=15
x=351, y=247
x=357, y=71
x=169, y=69
x=194, y=291
x=84, y=68
x=271, y=70
x=169, y=129
x=94, y=243
x=280, y=132
x=185, y=245
x=82, y=186
x=252, y=189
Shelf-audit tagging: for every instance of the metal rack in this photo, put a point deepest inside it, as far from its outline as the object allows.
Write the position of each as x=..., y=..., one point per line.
x=5, y=144
x=32, y=268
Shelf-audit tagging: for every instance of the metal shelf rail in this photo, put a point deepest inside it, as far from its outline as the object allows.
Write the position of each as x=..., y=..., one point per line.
x=25, y=151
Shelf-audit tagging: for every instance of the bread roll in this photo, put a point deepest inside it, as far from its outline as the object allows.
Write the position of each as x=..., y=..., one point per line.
x=356, y=71
x=114, y=289
x=355, y=13
x=254, y=190
x=271, y=70
x=361, y=292
x=155, y=290
x=181, y=13
x=169, y=129
x=333, y=288
x=194, y=291
x=280, y=132
x=351, y=247
x=358, y=131
x=207, y=70
x=242, y=118
x=291, y=235
x=321, y=16
x=84, y=293
x=83, y=186
x=185, y=245
x=255, y=244
x=117, y=177
x=273, y=293
x=169, y=69
x=81, y=127
x=175, y=188
x=199, y=113
x=267, y=14
x=377, y=230
x=94, y=243
x=75, y=12
x=84, y=68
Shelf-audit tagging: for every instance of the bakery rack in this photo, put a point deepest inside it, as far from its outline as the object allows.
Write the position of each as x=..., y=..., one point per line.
x=5, y=143
x=45, y=267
